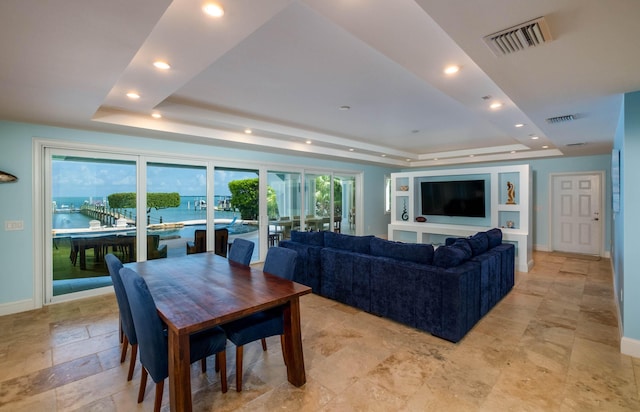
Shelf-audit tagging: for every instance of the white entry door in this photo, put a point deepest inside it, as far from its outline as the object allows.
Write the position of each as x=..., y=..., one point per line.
x=577, y=213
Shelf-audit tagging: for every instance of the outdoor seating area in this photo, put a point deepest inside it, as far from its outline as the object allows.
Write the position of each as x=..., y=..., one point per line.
x=199, y=243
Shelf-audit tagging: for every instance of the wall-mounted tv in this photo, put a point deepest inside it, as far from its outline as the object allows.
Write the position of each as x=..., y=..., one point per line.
x=453, y=198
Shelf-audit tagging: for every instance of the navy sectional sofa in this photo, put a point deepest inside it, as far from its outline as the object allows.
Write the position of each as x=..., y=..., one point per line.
x=444, y=291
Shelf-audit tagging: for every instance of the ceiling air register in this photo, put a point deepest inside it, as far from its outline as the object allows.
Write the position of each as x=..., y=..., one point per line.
x=523, y=36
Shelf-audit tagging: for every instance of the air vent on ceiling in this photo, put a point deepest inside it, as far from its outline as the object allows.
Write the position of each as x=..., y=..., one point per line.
x=523, y=36
x=560, y=119
x=575, y=144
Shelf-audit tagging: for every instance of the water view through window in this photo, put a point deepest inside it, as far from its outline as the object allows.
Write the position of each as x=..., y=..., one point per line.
x=94, y=213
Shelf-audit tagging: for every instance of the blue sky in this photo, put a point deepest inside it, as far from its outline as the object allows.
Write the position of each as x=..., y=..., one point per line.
x=98, y=179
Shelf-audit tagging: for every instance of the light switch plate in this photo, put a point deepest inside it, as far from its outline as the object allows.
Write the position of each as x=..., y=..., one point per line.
x=13, y=225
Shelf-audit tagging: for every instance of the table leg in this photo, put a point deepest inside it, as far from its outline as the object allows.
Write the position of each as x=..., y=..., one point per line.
x=293, y=343
x=83, y=256
x=179, y=372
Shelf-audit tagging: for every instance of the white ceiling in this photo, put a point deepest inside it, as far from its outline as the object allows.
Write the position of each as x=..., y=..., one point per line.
x=283, y=68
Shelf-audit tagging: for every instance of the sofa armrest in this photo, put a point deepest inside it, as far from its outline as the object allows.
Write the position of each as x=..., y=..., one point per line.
x=460, y=288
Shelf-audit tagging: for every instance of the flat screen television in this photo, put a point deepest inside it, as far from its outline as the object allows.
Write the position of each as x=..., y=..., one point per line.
x=453, y=198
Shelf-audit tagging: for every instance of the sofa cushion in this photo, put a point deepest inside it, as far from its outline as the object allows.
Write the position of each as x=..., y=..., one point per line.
x=308, y=238
x=495, y=237
x=479, y=243
x=463, y=244
x=449, y=256
x=358, y=244
x=411, y=252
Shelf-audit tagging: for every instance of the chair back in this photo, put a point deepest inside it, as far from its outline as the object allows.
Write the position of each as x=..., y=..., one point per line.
x=154, y=250
x=241, y=251
x=114, y=265
x=281, y=262
x=152, y=342
x=337, y=223
x=222, y=242
x=200, y=240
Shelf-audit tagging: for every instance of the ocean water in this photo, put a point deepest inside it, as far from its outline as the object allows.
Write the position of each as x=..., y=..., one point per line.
x=67, y=215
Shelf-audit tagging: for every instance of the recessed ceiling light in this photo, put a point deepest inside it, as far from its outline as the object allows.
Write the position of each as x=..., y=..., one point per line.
x=452, y=69
x=344, y=107
x=156, y=115
x=308, y=142
x=520, y=125
x=495, y=106
x=513, y=151
x=161, y=65
x=408, y=160
x=213, y=10
x=435, y=158
x=133, y=95
x=352, y=149
x=471, y=155
x=248, y=131
x=534, y=137
x=383, y=155
x=545, y=147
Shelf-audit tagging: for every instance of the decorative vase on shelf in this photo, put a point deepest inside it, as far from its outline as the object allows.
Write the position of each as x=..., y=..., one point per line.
x=511, y=194
x=405, y=215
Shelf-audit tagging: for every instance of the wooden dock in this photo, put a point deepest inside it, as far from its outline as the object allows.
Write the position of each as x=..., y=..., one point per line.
x=106, y=216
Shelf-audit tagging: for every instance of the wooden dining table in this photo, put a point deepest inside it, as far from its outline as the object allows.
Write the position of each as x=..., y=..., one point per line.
x=203, y=290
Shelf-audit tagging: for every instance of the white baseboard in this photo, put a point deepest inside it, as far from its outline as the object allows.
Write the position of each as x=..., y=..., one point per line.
x=15, y=307
x=545, y=248
x=541, y=248
x=630, y=347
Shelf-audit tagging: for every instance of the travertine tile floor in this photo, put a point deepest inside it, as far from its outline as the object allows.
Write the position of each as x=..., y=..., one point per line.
x=549, y=345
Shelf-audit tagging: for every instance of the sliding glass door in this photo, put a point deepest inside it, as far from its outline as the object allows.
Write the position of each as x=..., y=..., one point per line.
x=236, y=201
x=344, y=219
x=283, y=205
x=152, y=207
x=176, y=209
x=84, y=219
x=329, y=202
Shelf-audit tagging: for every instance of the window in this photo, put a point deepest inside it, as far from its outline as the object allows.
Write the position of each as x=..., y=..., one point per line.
x=84, y=225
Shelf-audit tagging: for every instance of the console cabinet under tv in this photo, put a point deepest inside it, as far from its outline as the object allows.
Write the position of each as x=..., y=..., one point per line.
x=507, y=205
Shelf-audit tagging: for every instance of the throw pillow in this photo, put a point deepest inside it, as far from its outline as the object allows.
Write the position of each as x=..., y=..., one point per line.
x=495, y=237
x=411, y=252
x=479, y=243
x=448, y=256
x=463, y=244
x=449, y=241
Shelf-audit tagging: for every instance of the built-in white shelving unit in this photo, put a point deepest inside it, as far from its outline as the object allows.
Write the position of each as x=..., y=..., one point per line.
x=405, y=207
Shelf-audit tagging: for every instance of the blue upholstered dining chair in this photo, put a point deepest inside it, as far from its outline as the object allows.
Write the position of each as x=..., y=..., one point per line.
x=126, y=321
x=241, y=251
x=152, y=338
x=280, y=262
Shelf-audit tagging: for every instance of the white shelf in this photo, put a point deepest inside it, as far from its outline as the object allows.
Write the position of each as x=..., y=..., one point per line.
x=503, y=207
x=500, y=212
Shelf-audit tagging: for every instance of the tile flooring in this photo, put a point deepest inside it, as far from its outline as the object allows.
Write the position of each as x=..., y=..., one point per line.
x=549, y=345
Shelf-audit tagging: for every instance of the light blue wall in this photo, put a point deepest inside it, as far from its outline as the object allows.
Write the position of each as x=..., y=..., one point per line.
x=541, y=169
x=630, y=259
x=617, y=220
x=16, y=271
x=16, y=199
